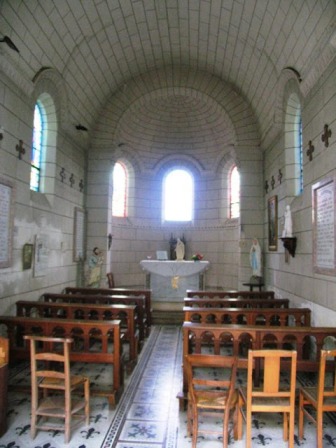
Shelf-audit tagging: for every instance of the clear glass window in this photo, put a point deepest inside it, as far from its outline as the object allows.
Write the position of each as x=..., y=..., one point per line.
x=119, y=198
x=36, y=154
x=234, y=193
x=178, y=196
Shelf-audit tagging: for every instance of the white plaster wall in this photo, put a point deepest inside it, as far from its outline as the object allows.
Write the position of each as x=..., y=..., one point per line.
x=142, y=124
x=36, y=213
x=297, y=279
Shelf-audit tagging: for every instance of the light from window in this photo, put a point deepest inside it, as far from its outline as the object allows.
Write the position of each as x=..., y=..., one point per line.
x=119, y=190
x=178, y=193
x=300, y=155
x=234, y=193
x=36, y=154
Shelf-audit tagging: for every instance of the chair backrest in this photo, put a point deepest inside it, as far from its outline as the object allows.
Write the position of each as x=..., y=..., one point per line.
x=49, y=350
x=326, y=388
x=271, y=386
x=225, y=366
x=110, y=280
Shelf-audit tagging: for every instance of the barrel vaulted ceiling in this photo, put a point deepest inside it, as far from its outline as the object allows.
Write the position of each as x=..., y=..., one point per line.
x=99, y=47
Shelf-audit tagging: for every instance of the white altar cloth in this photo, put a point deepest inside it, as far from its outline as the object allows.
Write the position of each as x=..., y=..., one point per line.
x=173, y=268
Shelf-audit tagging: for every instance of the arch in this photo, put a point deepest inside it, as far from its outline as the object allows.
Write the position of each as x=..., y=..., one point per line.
x=208, y=89
x=289, y=101
x=129, y=187
x=49, y=93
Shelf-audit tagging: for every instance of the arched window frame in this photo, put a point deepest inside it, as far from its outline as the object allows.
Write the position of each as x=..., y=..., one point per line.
x=120, y=194
x=293, y=145
x=234, y=193
x=190, y=206
x=48, y=167
x=38, y=147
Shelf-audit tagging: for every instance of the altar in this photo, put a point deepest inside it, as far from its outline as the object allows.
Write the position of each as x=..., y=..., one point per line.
x=170, y=279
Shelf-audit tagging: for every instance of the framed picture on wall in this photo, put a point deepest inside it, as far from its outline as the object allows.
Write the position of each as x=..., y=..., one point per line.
x=324, y=228
x=27, y=256
x=6, y=222
x=273, y=223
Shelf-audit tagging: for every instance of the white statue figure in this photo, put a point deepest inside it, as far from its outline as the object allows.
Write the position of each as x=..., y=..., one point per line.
x=179, y=250
x=288, y=227
x=255, y=258
x=95, y=265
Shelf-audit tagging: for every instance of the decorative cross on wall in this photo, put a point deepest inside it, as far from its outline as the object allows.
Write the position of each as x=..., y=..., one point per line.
x=273, y=182
x=280, y=176
x=72, y=179
x=310, y=150
x=20, y=149
x=326, y=135
x=62, y=174
x=266, y=186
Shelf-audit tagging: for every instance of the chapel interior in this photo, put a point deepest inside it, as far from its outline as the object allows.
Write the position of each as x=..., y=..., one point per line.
x=206, y=87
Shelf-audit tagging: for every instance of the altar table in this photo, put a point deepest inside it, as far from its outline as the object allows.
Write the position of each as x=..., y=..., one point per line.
x=170, y=279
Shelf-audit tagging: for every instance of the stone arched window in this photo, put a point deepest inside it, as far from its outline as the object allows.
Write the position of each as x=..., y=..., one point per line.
x=42, y=171
x=234, y=191
x=120, y=190
x=178, y=195
x=293, y=145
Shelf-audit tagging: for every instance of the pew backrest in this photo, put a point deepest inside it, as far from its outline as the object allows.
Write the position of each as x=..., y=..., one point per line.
x=145, y=292
x=249, y=316
x=139, y=301
x=233, y=294
x=236, y=303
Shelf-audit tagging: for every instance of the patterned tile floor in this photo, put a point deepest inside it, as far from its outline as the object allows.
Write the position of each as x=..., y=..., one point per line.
x=147, y=415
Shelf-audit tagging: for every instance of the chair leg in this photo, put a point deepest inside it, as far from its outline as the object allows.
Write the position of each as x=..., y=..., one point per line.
x=226, y=428
x=194, y=427
x=236, y=412
x=301, y=416
x=319, y=429
x=87, y=401
x=248, y=428
x=291, y=429
x=285, y=426
x=240, y=418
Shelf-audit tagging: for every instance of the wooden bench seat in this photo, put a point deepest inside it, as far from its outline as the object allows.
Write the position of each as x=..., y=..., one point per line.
x=99, y=299
x=236, y=340
x=134, y=292
x=236, y=303
x=86, y=311
x=85, y=348
x=249, y=316
x=234, y=294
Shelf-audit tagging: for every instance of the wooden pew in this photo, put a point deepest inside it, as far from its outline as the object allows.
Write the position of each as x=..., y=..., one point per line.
x=125, y=313
x=147, y=293
x=249, y=316
x=139, y=301
x=236, y=303
x=233, y=294
x=236, y=340
x=94, y=342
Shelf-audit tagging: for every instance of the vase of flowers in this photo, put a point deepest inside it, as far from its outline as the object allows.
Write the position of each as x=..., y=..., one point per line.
x=197, y=257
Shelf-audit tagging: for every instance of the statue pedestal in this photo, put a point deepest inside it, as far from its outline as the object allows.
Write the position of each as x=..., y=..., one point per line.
x=169, y=280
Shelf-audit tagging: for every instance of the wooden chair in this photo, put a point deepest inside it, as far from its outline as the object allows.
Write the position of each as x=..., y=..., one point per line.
x=271, y=395
x=321, y=398
x=110, y=280
x=211, y=396
x=52, y=387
